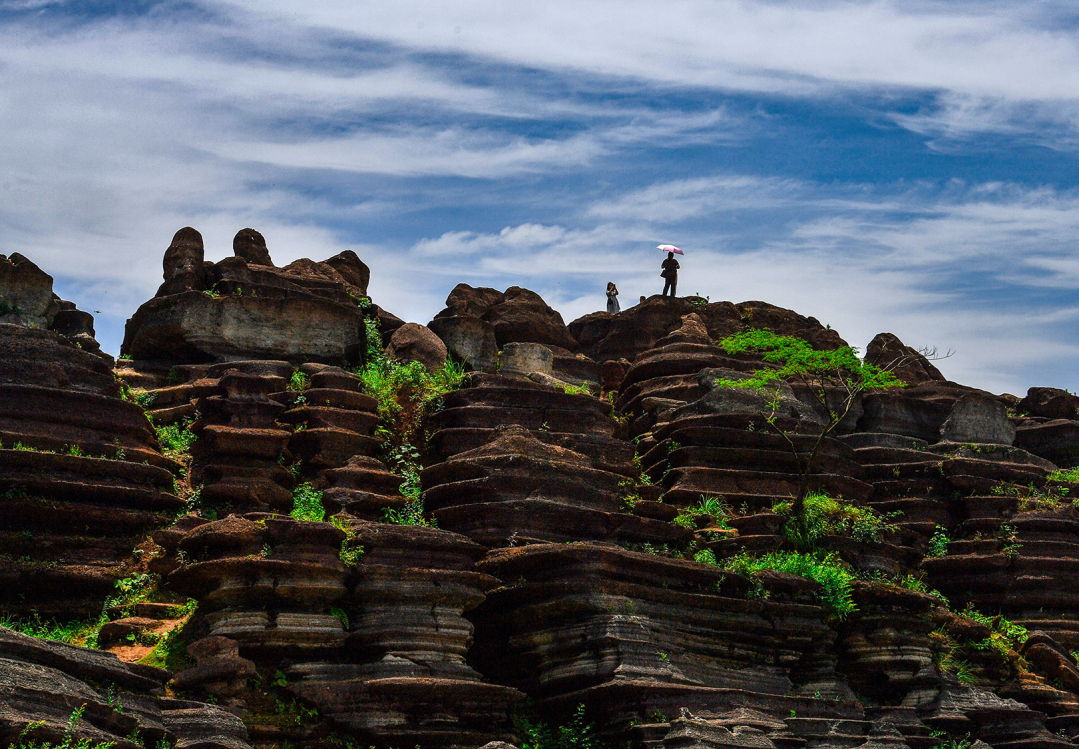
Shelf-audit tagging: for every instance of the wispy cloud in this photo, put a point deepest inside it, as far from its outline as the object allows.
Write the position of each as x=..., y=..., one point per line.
x=959, y=267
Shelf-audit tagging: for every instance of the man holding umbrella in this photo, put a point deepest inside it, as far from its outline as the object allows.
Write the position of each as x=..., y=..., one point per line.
x=670, y=269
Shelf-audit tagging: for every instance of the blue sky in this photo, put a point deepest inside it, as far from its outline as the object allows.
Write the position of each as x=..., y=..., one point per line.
x=908, y=167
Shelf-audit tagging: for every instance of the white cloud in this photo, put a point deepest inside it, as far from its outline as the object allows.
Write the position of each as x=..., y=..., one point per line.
x=418, y=153
x=118, y=132
x=681, y=199
x=999, y=51
x=902, y=270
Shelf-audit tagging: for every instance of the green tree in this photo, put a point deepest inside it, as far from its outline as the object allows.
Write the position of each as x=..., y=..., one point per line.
x=836, y=379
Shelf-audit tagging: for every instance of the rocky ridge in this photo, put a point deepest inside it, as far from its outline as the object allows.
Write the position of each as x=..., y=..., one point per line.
x=407, y=554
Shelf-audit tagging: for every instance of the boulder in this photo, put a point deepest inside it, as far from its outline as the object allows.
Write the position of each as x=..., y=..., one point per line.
x=468, y=301
x=251, y=246
x=916, y=411
x=72, y=322
x=526, y=358
x=908, y=364
x=1056, y=440
x=415, y=342
x=468, y=340
x=611, y=374
x=388, y=323
x=523, y=317
x=1047, y=655
x=516, y=316
x=193, y=327
x=978, y=419
x=351, y=268
x=26, y=296
x=1049, y=403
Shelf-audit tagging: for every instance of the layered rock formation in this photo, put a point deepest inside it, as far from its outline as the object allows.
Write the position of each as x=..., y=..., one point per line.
x=51, y=692
x=635, y=330
x=245, y=308
x=81, y=478
x=584, y=498
x=27, y=300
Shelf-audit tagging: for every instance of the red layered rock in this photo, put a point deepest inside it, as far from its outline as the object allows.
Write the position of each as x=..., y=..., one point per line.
x=267, y=584
x=247, y=309
x=517, y=489
x=631, y=635
x=332, y=420
x=81, y=479
x=43, y=684
x=242, y=449
x=578, y=422
x=404, y=678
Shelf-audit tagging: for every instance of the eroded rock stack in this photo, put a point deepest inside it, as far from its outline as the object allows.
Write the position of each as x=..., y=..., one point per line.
x=244, y=307
x=519, y=489
x=403, y=675
x=81, y=479
x=637, y=637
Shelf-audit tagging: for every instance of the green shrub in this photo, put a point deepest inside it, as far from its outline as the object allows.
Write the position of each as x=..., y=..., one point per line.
x=307, y=503
x=915, y=582
x=585, y=389
x=48, y=629
x=706, y=556
x=299, y=381
x=938, y=544
x=176, y=439
x=1065, y=475
x=410, y=514
x=351, y=552
x=146, y=399
x=825, y=516
x=130, y=590
x=709, y=506
x=1005, y=631
x=833, y=575
x=577, y=734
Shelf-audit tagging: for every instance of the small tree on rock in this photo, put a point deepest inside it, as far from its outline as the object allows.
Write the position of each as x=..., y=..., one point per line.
x=836, y=379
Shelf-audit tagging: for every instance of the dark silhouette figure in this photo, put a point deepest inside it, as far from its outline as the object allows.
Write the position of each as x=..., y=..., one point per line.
x=612, y=298
x=670, y=275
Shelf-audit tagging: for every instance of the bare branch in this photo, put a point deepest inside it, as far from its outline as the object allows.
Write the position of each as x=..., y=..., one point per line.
x=933, y=354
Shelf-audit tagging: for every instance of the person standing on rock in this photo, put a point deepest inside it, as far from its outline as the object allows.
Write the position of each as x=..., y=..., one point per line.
x=612, y=298
x=670, y=275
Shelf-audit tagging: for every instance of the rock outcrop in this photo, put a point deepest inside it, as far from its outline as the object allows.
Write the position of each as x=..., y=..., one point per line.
x=415, y=342
x=51, y=692
x=603, y=336
x=244, y=308
x=908, y=364
x=27, y=300
x=81, y=478
x=515, y=316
